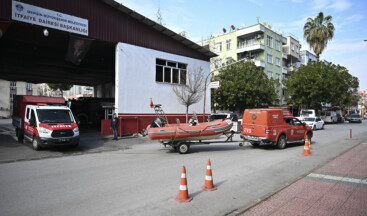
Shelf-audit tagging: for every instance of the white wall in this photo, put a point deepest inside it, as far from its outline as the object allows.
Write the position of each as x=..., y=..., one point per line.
x=4, y=98
x=135, y=81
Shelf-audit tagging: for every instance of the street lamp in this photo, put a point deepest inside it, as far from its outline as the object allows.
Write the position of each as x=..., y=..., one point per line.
x=205, y=84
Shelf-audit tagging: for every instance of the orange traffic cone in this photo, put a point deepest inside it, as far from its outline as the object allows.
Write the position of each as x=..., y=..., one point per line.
x=208, y=185
x=306, y=148
x=183, y=194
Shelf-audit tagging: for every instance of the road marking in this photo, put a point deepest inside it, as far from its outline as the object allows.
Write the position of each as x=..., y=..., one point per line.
x=338, y=178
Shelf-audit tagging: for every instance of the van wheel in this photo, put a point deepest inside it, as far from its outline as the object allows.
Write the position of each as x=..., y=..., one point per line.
x=35, y=144
x=183, y=148
x=282, y=142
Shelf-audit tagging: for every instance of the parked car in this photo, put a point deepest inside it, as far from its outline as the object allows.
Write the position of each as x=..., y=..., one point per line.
x=270, y=126
x=232, y=116
x=355, y=118
x=340, y=118
x=314, y=122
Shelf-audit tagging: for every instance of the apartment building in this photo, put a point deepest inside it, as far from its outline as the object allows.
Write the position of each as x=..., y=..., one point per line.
x=306, y=56
x=10, y=88
x=79, y=91
x=257, y=43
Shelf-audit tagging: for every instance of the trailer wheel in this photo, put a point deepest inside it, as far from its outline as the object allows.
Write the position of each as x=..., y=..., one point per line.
x=35, y=144
x=183, y=148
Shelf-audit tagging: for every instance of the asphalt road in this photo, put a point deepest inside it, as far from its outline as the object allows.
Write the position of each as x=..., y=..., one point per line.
x=144, y=178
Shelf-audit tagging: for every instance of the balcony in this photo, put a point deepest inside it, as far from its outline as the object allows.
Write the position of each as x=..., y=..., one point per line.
x=242, y=47
x=258, y=28
x=259, y=63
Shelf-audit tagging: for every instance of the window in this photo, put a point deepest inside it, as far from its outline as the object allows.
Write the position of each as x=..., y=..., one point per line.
x=270, y=58
x=228, y=43
x=277, y=61
x=218, y=63
x=269, y=41
x=29, y=86
x=292, y=46
x=270, y=74
x=13, y=84
x=11, y=96
x=277, y=45
x=277, y=76
x=296, y=49
x=229, y=60
x=170, y=72
x=218, y=47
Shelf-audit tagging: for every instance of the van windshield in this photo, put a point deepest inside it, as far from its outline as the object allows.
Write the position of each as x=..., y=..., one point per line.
x=306, y=113
x=54, y=116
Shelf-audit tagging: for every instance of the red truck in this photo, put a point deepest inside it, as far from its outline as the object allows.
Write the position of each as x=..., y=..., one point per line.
x=44, y=121
x=273, y=126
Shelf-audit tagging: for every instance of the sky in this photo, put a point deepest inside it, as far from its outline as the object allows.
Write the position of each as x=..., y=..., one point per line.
x=200, y=19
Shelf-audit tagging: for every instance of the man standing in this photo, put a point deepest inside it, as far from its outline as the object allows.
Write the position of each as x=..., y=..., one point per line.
x=115, y=125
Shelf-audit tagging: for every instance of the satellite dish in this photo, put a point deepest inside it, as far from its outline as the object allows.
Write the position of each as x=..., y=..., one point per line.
x=224, y=30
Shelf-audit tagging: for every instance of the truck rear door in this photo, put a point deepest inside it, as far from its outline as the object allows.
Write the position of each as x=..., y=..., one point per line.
x=254, y=123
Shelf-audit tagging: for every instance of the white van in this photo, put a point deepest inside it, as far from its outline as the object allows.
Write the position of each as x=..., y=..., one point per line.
x=329, y=116
x=306, y=113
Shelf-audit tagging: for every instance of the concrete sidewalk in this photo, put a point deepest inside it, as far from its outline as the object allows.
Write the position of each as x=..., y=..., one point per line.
x=337, y=188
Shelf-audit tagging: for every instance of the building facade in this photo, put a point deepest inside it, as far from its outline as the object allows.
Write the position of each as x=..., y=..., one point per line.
x=10, y=88
x=259, y=44
x=306, y=57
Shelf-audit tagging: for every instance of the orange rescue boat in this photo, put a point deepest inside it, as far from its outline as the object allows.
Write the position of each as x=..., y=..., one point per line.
x=160, y=130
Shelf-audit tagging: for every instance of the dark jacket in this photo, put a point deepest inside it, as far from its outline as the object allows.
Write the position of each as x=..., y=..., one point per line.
x=115, y=123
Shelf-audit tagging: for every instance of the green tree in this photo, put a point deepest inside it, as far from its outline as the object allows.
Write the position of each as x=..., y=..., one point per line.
x=317, y=32
x=242, y=86
x=61, y=86
x=317, y=83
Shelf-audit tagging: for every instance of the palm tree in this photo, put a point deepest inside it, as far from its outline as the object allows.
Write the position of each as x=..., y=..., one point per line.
x=318, y=32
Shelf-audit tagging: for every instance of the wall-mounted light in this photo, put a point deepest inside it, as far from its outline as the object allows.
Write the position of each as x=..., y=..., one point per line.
x=45, y=32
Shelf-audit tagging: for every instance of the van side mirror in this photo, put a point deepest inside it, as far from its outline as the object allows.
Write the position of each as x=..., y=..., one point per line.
x=77, y=120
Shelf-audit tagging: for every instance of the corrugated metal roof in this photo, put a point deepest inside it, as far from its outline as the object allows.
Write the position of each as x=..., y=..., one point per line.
x=160, y=28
